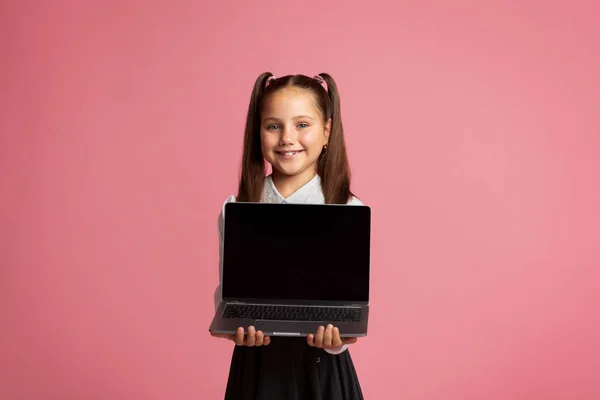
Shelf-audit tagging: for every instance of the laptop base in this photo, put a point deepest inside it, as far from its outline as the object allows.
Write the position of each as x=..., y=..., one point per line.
x=289, y=328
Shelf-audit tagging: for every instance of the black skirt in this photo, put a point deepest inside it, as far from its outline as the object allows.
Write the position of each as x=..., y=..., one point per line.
x=289, y=369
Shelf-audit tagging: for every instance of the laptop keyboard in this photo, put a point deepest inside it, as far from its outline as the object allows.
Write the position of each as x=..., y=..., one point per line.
x=292, y=313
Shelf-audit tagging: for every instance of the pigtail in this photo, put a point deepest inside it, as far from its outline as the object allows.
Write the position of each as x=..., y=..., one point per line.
x=253, y=167
x=333, y=166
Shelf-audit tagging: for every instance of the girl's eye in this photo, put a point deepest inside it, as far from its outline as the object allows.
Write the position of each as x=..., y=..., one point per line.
x=303, y=125
x=272, y=127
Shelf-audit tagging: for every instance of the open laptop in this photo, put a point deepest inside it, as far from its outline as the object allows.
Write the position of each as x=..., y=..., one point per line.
x=290, y=268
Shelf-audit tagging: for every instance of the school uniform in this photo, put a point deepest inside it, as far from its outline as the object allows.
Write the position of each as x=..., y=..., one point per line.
x=288, y=368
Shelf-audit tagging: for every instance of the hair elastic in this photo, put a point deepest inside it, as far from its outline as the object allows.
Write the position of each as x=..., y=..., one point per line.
x=269, y=79
x=321, y=81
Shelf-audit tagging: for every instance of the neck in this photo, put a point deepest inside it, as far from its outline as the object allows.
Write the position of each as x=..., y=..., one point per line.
x=287, y=185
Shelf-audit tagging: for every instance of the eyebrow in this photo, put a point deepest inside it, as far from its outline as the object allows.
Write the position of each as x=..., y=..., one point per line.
x=296, y=117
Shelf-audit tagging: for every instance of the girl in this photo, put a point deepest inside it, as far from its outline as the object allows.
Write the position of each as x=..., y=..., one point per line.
x=294, y=124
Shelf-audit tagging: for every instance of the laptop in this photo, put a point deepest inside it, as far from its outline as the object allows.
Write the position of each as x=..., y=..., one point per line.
x=290, y=268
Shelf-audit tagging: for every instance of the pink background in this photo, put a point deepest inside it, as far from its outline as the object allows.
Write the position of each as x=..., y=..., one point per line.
x=473, y=132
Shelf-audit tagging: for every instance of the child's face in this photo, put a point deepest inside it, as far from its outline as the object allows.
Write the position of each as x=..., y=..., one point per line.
x=292, y=132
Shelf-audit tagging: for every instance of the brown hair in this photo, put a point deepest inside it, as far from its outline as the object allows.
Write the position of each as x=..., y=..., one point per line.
x=332, y=165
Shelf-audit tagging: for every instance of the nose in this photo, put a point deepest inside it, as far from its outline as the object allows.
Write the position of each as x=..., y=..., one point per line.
x=288, y=137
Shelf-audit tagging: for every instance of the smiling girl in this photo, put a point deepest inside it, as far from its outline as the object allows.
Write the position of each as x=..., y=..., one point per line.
x=294, y=124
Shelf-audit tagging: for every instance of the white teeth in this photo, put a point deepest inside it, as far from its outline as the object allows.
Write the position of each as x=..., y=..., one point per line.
x=288, y=153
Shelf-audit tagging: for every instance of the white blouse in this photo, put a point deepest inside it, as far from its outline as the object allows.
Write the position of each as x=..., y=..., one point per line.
x=310, y=193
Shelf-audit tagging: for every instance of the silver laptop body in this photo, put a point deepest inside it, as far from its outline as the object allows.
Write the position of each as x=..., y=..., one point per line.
x=290, y=268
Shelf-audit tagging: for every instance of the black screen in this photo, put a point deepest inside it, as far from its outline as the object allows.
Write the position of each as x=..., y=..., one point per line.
x=296, y=251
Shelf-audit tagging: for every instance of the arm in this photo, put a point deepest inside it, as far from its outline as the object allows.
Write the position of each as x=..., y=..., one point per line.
x=337, y=351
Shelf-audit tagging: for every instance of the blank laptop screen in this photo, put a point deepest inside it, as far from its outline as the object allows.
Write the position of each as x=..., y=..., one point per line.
x=296, y=252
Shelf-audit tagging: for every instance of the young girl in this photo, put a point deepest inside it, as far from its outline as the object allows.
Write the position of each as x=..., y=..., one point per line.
x=294, y=124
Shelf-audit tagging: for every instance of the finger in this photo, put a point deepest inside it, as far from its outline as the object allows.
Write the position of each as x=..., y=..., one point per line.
x=239, y=336
x=310, y=339
x=337, y=340
x=251, y=336
x=350, y=340
x=259, y=338
x=266, y=340
x=319, y=337
x=328, y=336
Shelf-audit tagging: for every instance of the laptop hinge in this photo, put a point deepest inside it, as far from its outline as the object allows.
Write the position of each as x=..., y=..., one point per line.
x=283, y=303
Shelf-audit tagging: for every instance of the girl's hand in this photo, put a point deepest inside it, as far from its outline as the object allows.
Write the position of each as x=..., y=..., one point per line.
x=253, y=338
x=328, y=338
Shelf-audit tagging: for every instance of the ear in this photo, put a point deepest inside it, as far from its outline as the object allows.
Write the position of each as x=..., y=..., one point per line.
x=327, y=130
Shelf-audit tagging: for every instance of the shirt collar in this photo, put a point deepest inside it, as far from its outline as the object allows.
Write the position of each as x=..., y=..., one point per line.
x=311, y=192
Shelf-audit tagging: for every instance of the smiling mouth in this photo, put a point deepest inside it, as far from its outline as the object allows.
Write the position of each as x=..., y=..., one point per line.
x=289, y=153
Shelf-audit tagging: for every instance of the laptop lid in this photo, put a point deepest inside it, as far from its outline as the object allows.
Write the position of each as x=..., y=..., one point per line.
x=296, y=252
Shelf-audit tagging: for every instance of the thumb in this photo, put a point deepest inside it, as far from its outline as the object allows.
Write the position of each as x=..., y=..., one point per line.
x=350, y=340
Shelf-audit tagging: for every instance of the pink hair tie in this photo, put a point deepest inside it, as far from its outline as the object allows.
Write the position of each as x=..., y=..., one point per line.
x=320, y=79
x=269, y=79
